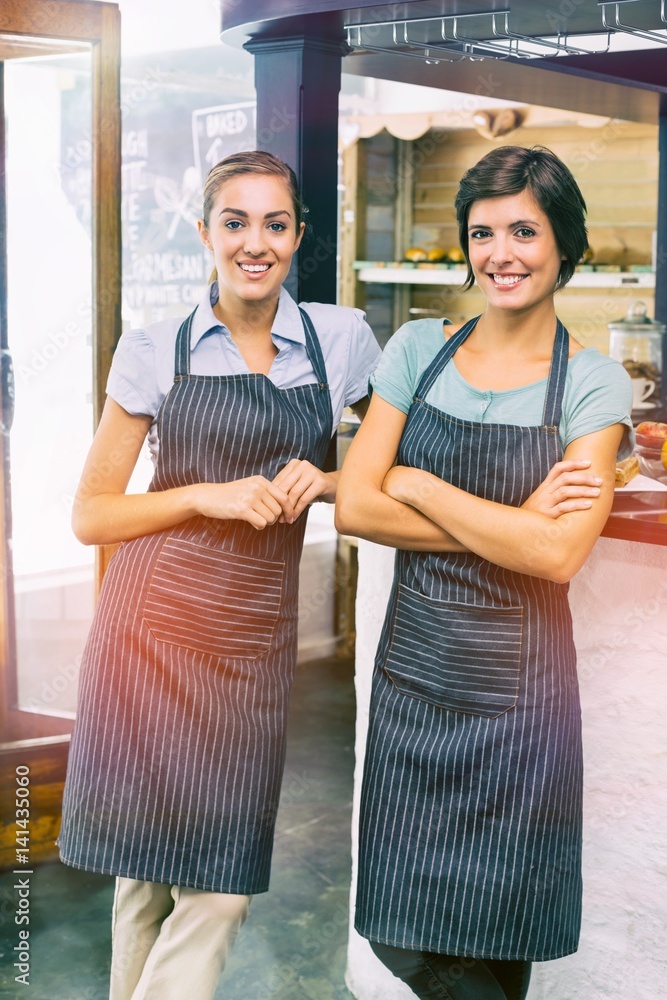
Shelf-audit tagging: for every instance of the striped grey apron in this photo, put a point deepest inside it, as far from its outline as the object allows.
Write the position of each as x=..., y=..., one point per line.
x=178, y=749
x=470, y=838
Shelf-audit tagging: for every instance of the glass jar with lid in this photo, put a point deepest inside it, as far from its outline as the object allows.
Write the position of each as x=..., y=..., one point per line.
x=636, y=341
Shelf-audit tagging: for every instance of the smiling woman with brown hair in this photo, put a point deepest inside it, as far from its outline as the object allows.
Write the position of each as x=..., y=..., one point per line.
x=487, y=459
x=178, y=750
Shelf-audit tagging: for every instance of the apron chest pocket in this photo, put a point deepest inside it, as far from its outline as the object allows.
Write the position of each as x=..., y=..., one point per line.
x=458, y=656
x=215, y=602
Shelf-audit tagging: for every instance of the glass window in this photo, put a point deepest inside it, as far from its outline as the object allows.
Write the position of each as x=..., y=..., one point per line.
x=48, y=104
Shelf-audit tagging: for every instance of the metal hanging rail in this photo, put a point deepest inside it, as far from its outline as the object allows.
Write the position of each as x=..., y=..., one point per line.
x=500, y=30
x=467, y=36
x=426, y=53
x=629, y=29
x=430, y=56
x=560, y=45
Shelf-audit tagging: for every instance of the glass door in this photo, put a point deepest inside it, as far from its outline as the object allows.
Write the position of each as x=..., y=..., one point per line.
x=59, y=320
x=49, y=338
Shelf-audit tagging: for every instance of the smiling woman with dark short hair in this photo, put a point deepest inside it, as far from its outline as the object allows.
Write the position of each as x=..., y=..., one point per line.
x=487, y=459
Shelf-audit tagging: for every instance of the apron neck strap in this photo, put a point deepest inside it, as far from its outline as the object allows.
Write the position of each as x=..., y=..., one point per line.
x=553, y=402
x=182, y=358
x=313, y=349
x=443, y=357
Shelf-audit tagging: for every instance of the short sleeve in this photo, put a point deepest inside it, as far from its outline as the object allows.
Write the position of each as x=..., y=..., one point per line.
x=363, y=356
x=603, y=397
x=132, y=381
x=395, y=378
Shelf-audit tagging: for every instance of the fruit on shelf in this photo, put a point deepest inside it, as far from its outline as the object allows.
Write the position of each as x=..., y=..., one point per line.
x=651, y=449
x=651, y=433
x=436, y=255
x=416, y=254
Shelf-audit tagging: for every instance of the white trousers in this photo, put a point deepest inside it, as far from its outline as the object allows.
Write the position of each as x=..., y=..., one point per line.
x=170, y=942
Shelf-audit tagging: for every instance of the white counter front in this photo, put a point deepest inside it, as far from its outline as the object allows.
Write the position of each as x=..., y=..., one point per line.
x=619, y=606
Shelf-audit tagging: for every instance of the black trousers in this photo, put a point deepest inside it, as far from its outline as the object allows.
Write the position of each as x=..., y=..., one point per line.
x=448, y=977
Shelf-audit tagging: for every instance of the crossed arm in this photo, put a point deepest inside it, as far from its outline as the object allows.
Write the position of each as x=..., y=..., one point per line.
x=550, y=536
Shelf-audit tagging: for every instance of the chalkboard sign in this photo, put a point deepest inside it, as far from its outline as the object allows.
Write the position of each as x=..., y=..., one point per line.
x=164, y=263
x=177, y=123
x=218, y=132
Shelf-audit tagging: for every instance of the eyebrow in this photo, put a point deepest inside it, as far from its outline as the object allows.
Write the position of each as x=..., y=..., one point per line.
x=239, y=211
x=519, y=222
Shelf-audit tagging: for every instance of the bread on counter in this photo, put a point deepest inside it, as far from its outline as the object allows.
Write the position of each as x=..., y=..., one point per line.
x=626, y=470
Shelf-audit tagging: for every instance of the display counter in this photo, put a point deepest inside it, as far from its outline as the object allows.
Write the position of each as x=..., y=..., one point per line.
x=638, y=516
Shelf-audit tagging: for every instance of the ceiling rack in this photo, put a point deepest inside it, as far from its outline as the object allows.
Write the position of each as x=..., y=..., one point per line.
x=439, y=54
x=425, y=53
x=490, y=35
x=628, y=29
x=500, y=30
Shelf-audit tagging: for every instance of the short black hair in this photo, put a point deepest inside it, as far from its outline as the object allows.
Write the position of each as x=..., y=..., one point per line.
x=512, y=169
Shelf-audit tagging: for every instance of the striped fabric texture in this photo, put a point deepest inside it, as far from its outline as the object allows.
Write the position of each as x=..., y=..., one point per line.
x=456, y=656
x=200, y=599
x=178, y=749
x=470, y=839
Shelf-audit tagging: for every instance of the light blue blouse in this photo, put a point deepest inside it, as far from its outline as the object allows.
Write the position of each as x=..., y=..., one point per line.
x=598, y=390
x=142, y=369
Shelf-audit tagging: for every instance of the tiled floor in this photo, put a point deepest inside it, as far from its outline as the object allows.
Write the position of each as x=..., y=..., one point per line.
x=293, y=945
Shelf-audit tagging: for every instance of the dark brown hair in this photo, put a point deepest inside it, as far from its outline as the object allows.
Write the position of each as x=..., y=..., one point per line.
x=512, y=169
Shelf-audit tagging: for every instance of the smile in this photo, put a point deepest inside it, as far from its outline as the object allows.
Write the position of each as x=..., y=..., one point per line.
x=254, y=268
x=508, y=279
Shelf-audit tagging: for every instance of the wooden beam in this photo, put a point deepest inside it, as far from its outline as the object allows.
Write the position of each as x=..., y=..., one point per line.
x=513, y=81
x=46, y=761
x=107, y=246
x=76, y=20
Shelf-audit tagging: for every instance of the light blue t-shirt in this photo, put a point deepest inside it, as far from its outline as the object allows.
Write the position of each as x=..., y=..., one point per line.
x=142, y=368
x=598, y=390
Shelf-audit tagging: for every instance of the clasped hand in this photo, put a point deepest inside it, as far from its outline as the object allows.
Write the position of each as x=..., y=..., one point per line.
x=262, y=501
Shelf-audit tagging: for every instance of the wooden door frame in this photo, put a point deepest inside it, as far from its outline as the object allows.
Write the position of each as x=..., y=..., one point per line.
x=40, y=740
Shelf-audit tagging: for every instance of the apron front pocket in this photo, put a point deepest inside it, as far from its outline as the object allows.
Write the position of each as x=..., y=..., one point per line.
x=458, y=656
x=213, y=601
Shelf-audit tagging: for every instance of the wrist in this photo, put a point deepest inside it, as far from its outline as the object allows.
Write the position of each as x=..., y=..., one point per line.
x=328, y=494
x=194, y=499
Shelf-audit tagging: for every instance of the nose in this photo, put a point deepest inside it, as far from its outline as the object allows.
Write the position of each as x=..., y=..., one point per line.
x=501, y=251
x=255, y=243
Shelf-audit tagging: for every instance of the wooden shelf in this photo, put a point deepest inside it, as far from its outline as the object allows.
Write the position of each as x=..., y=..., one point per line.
x=417, y=275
